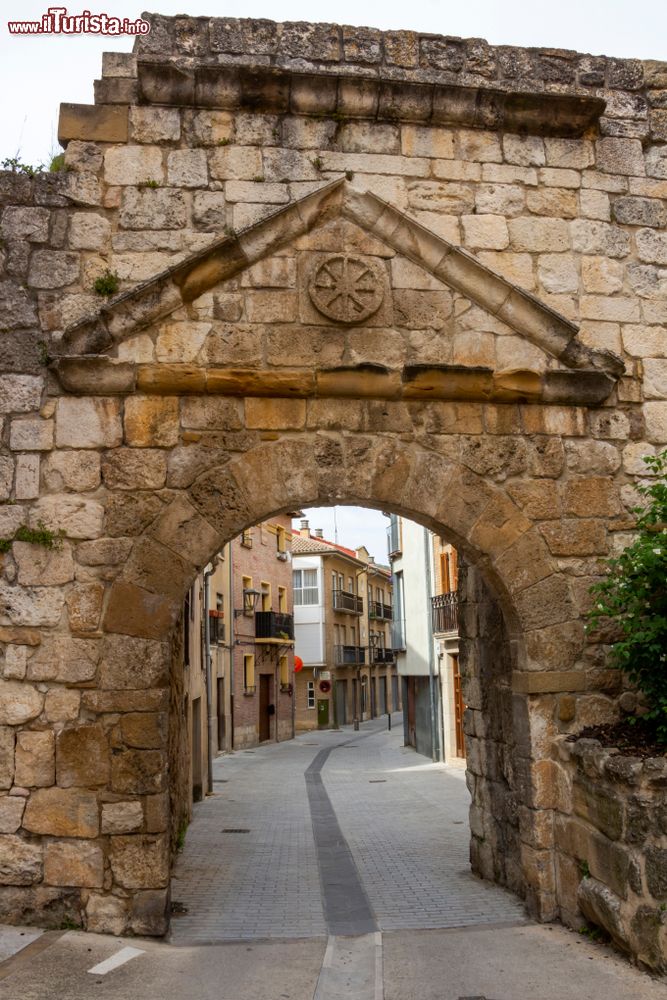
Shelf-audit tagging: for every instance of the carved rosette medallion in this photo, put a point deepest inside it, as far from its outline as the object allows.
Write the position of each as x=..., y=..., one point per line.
x=346, y=289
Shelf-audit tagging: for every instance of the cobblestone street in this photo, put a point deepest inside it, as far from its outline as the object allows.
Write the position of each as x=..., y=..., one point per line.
x=404, y=820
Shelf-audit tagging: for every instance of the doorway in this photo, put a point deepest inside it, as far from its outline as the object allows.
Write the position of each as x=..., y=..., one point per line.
x=265, y=704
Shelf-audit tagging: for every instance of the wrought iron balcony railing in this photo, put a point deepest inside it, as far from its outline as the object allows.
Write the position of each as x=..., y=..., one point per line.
x=444, y=612
x=382, y=655
x=350, y=603
x=349, y=655
x=274, y=626
x=380, y=611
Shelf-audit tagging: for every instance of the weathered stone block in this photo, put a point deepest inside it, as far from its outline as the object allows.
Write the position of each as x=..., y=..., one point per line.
x=88, y=423
x=140, y=862
x=64, y=659
x=129, y=469
x=154, y=125
x=151, y=421
x=133, y=663
x=125, y=165
x=35, y=760
x=84, y=606
x=150, y=208
x=19, y=702
x=11, y=813
x=53, y=269
x=20, y=393
x=39, y=566
x=187, y=168
x=15, y=663
x=603, y=908
x=78, y=471
x=656, y=872
x=620, y=156
x=122, y=817
x=31, y=434
x=20, y=862
x=88, y=231
x=73, y=515
x=62, y=812
x=82, y=757
x=144, y=730
x=80, y=864
x=61, y=705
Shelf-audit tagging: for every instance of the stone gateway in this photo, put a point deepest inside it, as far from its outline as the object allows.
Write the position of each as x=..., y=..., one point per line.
x=410, y=272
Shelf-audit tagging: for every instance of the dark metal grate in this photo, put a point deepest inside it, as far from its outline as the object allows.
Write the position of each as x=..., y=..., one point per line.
x=235, y=829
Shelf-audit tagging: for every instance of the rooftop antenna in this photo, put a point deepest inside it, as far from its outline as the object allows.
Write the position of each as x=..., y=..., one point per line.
x=335, y=527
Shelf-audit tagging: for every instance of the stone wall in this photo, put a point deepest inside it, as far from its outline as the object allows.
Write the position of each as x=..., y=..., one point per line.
x=509, y=371
x=611, y=846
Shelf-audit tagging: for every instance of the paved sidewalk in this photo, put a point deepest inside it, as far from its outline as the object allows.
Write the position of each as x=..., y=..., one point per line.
x=403, y=818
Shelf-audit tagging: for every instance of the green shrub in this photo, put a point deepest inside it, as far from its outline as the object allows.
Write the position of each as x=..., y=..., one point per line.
x=633, y=598
x=107, y=283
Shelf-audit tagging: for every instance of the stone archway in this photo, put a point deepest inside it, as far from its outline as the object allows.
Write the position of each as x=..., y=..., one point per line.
x=225, y=386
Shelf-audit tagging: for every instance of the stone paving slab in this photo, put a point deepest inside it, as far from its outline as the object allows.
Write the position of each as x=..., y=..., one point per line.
x=408, y=837
x=406, y=822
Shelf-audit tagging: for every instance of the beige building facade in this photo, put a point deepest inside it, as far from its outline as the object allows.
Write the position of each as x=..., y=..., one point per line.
x=342, y=614
x=179, y=362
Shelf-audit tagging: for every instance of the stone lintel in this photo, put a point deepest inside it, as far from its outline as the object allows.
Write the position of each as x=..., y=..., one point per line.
x=548, y=681
x=104, y=376
x=93, y=123
x=274, y=90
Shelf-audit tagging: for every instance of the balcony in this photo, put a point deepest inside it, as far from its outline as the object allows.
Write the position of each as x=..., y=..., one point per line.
x=345, y=656
x=379, y=655
x=394, y=537
x=445, y=612
x=398, y=635
x=347, y=603
x=274, y=627
x=379, y=611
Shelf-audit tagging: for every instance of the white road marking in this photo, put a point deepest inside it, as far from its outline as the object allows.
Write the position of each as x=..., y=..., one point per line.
x=120, y=958
x=328, y=954
x=379, y=978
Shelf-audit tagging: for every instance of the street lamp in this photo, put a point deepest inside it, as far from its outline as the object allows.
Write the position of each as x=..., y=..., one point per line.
x=250, y=598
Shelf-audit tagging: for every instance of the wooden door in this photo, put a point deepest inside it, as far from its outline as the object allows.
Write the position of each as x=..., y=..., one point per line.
x=459, y=709
x=221, y=712
x=264, y=702
x=197, y=769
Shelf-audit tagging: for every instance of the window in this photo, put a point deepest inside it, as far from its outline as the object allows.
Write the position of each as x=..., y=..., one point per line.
x=249, y=674
x=284, y=671
x=305, y=586
x=379, y=595
x=265, y=595
x=246, y=538
x=310, y=694
x=341, y=582
x=334, y=581
x=350, y=585
x=282, y=599
x=280, y=539
x=188, y=615
x=353, y=636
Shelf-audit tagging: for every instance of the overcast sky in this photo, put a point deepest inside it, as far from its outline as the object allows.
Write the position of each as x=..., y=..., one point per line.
x=37, y=73
x=355, y=526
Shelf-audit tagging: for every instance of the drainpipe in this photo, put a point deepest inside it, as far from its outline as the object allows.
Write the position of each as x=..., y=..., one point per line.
x=211, y=719
x=435, y=750
x=231, y=646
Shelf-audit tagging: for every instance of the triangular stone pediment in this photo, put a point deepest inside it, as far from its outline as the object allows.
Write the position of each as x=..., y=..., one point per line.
x=342, y=260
